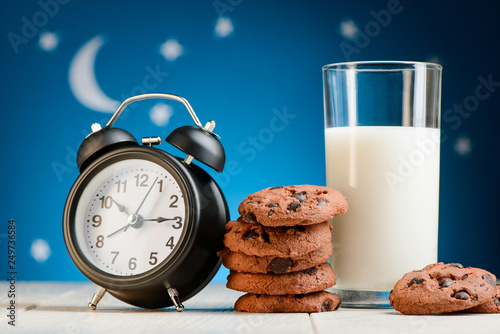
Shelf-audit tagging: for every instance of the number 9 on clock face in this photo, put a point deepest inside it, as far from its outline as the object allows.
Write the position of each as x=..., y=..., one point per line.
x=130, y=217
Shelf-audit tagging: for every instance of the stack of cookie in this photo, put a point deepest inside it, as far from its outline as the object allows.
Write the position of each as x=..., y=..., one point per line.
x=443, y=288
x=277, y=250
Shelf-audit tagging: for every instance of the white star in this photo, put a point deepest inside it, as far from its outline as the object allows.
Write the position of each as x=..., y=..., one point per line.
x=48, y=41
x=171, y=49
x=348, y=29
x=223, y=27
x=40, y=250
x=160, y=114
x=463, y=146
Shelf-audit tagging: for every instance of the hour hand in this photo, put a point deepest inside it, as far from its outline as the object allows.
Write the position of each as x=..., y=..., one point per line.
x=120, y=207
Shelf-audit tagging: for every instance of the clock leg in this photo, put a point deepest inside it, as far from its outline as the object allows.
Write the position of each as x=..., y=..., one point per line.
x=174, y=295
x=96, y=298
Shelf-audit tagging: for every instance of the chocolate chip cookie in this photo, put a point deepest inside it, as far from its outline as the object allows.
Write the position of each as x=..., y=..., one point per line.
x=442, y=288
x=306, y=281
x=314, y=302
x=491, y=306
x=263, y=264
x=285, y=241
x=293, y=205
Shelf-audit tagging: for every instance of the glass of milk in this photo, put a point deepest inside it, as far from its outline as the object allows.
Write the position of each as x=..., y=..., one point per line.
x=382, y=138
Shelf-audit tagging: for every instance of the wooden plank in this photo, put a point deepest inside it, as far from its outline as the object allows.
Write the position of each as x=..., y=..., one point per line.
x=62, y=308
x=363, y=321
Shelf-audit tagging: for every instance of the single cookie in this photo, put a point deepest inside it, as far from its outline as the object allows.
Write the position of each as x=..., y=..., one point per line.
x=255, y=239
x=263, y=264
x=293, y=205
x=310, y=280
x=441, y=288
x=491, y=306
x=314, y=302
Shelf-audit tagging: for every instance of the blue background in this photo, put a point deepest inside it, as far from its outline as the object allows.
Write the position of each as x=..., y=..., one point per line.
x=269, y=64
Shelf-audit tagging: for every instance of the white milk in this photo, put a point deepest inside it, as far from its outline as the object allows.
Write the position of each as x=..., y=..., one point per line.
x=390, y=176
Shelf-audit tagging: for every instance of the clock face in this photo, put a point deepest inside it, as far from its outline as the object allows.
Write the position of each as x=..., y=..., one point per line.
x=130, y=217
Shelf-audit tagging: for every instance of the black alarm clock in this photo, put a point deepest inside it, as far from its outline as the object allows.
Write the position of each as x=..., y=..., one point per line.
x=142, y=224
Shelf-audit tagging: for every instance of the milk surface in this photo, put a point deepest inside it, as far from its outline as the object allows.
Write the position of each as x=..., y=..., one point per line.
x=390, y=176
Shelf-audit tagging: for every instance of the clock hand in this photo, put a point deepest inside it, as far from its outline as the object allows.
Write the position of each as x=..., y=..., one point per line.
x=124, y=229
x=133, y=220
x=144, y=199
x=120, y=207
x=160, y=219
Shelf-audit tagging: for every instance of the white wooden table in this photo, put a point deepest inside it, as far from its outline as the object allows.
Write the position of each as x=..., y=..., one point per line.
x=61, y=308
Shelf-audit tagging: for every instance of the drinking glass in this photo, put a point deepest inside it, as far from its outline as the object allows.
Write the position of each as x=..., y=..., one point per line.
x=382, y=139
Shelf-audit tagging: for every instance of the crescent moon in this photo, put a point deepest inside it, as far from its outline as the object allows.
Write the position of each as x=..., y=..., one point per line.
x=82, y=80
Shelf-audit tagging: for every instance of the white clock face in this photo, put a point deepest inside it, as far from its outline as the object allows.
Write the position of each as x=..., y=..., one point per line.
x=130, y=217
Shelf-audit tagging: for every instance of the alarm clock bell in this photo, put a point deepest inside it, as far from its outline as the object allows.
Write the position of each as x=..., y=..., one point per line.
x=200, y=144
x=101, y=141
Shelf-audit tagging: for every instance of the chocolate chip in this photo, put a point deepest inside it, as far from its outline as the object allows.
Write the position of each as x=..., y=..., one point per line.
x=325, y=307
x=280, y=187
x=496, y=301
x=280, y=265
x=253, y=202
x=464, y=277
x=300, y=196
x=462, y=295
x=272, y=205
x=311, y=271
x=321, y=202
x=249, y=218
x=265, y=237
x=251, y=235
x=416, y=280
x=296, y=228
x=271, y=212
x=446, y=282
x=458, y=265
x=489, y=279
x=293, y=206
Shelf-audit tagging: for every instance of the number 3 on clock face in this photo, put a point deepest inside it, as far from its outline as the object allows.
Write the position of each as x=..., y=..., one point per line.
x=130, y=217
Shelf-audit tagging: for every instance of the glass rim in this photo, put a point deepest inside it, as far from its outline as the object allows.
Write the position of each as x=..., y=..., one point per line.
x=381, y=65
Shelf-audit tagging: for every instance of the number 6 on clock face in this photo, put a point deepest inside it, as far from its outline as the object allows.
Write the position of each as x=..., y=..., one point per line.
x=130, y=217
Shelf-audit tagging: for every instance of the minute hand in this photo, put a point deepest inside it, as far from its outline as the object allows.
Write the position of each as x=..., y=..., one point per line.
x=160, y=219
x=144, y=199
